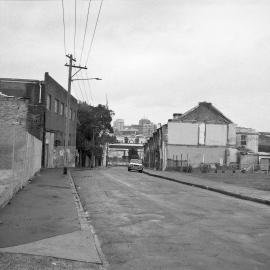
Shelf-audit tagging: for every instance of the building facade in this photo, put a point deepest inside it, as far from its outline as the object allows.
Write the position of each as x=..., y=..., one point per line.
x=47, y=112
x=201, y=135
x=55, y=101
x=20, y=151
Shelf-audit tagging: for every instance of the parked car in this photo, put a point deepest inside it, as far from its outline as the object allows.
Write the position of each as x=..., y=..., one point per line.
x=135, y=165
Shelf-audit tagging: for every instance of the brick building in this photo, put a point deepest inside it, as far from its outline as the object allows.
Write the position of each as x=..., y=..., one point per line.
x=20, y=151
x=47, y=111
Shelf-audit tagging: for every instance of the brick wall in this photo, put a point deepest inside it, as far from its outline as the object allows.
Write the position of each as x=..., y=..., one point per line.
x=20, y=152
x=55, y=122
x=13, y=115
x=32, y=91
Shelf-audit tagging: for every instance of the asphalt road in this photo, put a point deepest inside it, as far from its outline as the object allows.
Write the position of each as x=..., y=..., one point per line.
x=144, y=222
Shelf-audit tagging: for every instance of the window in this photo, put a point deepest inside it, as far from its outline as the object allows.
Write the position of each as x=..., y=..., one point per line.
x=243, y=140
x=49, y=102
x=57, y=142
x=74, y=116
x=70, y=114
x=61, y=108
x=56, y=106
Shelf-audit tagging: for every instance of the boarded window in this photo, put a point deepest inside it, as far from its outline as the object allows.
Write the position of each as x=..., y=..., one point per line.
x=49, y=102
x=56, y=106
x=70, y=114
x=74, y=115
x=202, y=134
x=61, y=109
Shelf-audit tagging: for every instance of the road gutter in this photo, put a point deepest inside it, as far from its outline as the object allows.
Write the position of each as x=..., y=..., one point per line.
x=83, y=216
x=217, y=190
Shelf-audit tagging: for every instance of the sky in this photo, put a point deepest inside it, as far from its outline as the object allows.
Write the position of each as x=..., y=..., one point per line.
x=155, y=57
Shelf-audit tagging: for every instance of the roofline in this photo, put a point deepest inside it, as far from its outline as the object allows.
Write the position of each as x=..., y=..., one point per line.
x=20, y=80
x=194, y=108
x=57, y=83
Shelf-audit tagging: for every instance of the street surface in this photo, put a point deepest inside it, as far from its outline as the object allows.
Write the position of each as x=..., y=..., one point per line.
x=144, y=222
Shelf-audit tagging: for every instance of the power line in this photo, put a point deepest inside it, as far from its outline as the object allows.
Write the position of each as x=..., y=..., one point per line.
x=85, y=28
x=63, y=9
x=91, y=44
x=75, y=28
x=81, y=91
x=85, y=89
x=89, y=86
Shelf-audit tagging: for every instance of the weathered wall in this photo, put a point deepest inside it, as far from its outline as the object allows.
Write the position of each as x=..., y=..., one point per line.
x=264, y=142
x=216, y=135
x=55, y=121
x=232, y=135
x=188, y=134
x=252, y=138
x=32, y=91
x=20, y=152
x=54, y=155
x=182, y=133
x=25, y=162
x=248, y=161
x=196, y=155
x=252, y=142
x=13, y=113
x=49, y=150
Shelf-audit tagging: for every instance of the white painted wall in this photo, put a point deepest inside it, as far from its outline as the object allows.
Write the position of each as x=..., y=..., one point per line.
x=216, y=135
x=197, y=154
x=183, y=133
x=252, y=141
x=49, y=149
x=232, y=134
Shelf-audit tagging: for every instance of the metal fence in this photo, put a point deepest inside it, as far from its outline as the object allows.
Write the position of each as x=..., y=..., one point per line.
x=185, y=166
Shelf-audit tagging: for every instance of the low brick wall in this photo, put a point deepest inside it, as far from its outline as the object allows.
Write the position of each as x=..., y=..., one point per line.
x=27, y=162
x=20, y=152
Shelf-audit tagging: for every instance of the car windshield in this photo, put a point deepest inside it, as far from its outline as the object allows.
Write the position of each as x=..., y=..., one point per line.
x=135, y=161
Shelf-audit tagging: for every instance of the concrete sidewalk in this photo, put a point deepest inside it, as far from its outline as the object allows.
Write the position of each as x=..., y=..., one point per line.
x=42, y=219
x=243, y=193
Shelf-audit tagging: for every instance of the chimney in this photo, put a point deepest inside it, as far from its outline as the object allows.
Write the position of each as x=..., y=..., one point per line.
x=207, y=104
x=177, y=115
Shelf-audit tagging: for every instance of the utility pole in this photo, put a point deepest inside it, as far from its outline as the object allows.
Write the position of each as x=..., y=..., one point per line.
x=70, y=66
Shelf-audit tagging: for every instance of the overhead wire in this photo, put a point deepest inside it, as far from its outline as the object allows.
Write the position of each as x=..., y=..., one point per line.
x=84, y=88
x=63, y=18
x=85, y=29
x=89, y=92
x=82, y=95
x=93, y=36
x=75, y=27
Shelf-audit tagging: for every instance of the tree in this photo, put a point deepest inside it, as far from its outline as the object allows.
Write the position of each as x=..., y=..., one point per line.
x=133, y=153
x=93, y=129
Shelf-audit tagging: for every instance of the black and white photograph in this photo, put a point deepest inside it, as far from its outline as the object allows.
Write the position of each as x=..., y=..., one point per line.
x=134, y=134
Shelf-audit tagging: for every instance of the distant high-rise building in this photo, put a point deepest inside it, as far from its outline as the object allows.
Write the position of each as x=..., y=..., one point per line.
x=139, y=132
x=144, y=121
x=147, y=128
x=118, y=124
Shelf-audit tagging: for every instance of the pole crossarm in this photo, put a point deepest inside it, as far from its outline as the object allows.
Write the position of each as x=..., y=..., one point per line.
x=67, y=65
x=70, y=57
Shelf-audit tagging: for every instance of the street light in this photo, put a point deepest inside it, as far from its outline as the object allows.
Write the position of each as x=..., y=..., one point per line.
x=87, y=79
